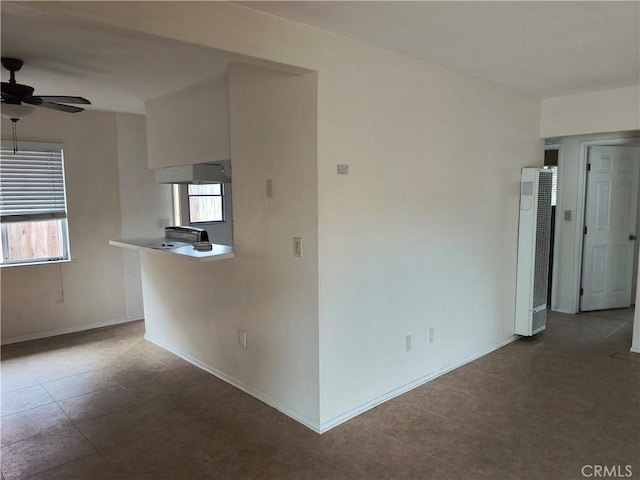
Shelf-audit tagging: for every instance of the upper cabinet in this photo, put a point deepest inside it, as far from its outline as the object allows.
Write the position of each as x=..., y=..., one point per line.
x=190, y=126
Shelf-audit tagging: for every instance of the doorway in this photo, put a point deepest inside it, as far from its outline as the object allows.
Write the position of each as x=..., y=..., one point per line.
x=551, y=162
x=609, y=236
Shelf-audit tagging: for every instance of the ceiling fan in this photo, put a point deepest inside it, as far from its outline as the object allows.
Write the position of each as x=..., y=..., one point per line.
x=14, y=93
x=18, y=99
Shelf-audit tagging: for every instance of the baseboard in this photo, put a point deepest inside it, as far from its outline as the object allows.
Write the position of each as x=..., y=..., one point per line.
x=564, y=310
x=263, y=397
x=67, y=330
x=635, y=349
x=334, y=422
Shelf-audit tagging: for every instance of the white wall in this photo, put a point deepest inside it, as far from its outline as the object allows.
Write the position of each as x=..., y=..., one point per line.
x=567, y=256
x=594, y=112
x=47, y=299
x=423, y=232
x=197, y=309
x=190, y=126
x=143, y=203
x=426, y=217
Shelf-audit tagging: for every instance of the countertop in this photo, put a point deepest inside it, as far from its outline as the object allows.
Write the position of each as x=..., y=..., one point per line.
x=174, y=247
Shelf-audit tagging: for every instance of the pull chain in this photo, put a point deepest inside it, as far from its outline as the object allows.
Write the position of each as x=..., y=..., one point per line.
x=14, y=134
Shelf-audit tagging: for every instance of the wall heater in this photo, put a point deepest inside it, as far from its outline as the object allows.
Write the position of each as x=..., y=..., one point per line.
x=534, y=235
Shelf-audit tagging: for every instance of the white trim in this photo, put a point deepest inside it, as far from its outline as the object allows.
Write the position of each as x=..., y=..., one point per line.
x=563, y=310
x=335, y=421
x=40, y=262
x=67, y=330
x=263, y=397
x=634, y=350
x=580, y=208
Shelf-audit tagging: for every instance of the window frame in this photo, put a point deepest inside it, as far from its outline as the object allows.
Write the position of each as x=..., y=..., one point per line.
x=185, y=205
x=64, y=223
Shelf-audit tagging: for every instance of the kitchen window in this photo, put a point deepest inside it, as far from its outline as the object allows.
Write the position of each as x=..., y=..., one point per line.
x=33, y=205
x=205, y=203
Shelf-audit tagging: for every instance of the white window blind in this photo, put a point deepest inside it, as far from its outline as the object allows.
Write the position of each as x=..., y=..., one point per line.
x=32, y=183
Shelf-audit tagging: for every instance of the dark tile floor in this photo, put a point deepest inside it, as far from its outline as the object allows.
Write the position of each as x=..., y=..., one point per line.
x=105, y=404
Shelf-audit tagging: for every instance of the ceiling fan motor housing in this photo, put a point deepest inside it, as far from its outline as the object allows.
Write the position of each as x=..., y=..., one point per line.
x=17, y=91
x=12, y=64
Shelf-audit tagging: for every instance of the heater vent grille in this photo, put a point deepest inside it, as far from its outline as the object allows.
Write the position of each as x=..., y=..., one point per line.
x=538, y=321
x=543, y=236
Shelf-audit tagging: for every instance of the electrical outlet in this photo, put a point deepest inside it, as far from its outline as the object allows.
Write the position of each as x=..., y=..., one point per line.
x=407, y=343
x=242, y=338
x=431, y=335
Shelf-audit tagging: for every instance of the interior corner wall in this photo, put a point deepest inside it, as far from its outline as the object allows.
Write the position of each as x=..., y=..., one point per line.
x=197, y=309
x=144, y=204
x=43, y=300
x=421, y=234
x=613, y=110
x=567, y=284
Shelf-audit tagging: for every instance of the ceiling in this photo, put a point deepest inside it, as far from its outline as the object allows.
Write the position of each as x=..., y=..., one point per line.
x=541, y=48
x=117, y=70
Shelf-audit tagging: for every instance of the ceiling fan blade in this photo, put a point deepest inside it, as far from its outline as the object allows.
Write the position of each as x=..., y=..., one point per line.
x=32, y=100
x=63, y=99
x=58, y=106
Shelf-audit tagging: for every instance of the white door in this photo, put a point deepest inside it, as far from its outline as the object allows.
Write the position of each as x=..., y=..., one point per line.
x=610, y=222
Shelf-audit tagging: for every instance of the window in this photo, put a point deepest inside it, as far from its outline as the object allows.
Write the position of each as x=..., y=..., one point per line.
x=205, y=203
x=33, y=207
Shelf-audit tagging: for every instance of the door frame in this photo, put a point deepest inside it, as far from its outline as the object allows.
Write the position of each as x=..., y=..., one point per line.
x=581, y=206
x=557, y=226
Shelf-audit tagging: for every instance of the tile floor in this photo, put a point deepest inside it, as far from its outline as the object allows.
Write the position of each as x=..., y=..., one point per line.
x=105, y=404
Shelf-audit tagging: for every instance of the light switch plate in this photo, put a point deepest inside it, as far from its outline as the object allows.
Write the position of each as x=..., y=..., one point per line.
x=297, y=246
x=567, y=215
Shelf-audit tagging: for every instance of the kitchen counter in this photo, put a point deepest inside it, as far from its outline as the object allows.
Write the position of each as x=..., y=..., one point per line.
x=173, y=247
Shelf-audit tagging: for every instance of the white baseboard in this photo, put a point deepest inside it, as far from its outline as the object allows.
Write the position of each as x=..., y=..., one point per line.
x=66, y=330
x=635, y=349
x=564, y=310
x=263, y=397
x=334, y=422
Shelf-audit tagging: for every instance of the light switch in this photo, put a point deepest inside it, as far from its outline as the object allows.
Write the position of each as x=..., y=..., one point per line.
x=269, y=188
x=567, y=215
